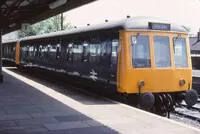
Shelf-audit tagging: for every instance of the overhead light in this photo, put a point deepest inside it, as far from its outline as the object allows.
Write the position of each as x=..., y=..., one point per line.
x=12, y=25
x=57, y=4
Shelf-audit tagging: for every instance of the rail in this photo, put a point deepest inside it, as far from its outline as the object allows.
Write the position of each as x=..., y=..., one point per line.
x=188, y=112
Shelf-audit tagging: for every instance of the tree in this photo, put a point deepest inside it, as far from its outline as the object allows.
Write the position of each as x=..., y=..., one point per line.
x=52, y=24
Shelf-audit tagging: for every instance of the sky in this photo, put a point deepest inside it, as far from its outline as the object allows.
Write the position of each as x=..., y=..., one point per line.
x=183, y=12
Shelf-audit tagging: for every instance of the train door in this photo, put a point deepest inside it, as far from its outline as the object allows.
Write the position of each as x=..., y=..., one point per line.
x=114, y=53
x=17, y=53
x=121, y=60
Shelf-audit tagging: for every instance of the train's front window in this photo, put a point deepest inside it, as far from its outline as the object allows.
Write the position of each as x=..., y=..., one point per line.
x=162, y=51
x=180, y=52
x=140, y=52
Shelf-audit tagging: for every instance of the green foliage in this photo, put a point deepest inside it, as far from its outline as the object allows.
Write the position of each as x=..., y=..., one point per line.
x=52, y=24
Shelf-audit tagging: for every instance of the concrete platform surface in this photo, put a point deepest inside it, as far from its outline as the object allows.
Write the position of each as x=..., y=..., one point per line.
x=32, y=108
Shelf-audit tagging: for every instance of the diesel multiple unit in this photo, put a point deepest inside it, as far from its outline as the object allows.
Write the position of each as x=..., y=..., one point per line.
x=145, y=59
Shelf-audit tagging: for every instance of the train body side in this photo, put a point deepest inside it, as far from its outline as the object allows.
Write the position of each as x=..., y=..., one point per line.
x=93, y=65
x=110, y=67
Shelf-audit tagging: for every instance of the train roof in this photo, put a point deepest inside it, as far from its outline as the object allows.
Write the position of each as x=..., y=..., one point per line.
x=141, y=23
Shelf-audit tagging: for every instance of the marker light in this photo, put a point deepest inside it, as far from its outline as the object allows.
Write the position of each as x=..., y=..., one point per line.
x=182, y=82
x=141, y=84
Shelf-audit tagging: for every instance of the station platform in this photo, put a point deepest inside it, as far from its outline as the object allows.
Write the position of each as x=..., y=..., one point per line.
x=32, y=108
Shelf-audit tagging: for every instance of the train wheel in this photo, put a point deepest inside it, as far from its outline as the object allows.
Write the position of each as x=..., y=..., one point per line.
x=146, y=100
x=191, y=97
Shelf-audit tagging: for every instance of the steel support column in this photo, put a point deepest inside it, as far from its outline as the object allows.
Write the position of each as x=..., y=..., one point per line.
x=1, y=27
x=61, y=21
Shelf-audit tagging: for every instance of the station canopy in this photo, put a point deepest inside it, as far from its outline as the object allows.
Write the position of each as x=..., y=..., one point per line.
x=14, y=13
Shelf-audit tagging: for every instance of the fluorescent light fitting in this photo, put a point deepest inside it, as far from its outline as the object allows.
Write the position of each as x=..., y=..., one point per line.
x=12, y=25
x=57, y=4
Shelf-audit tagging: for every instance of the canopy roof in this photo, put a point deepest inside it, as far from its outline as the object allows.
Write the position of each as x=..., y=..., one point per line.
x=15, y=12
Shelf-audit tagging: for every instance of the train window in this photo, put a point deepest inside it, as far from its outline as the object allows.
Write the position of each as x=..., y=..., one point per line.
x=114, y=51
x=106, y=47
x=77, y=51
x=44, y=50
x=63, y=51
x=40, y=51
x=31, y=51
x=85, y=53
x=58, y=48
x=37, y=51
x=140, y=52
x=22, y=51
x=48, y=50
x=27, y=51
x=94, y=53
x=162, y=51
x=69, y=51
x=51, y=48
x=34, y=50
x=103, y=48
x=13, y=52
x=180, y=52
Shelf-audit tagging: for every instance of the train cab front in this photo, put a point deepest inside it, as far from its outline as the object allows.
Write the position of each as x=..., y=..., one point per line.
x=155, y=67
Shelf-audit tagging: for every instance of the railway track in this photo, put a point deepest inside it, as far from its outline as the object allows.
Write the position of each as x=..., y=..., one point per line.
x=187, y=116
x=188, y=112
x=192, y=108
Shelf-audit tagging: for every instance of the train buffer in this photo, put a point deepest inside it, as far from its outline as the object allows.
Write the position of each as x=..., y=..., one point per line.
x=27, y=106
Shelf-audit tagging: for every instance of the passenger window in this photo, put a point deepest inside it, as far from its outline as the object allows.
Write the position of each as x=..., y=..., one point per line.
x=40, y=51
x=45, y=51
x=162, y=51
x=85, y=54
x=48, y=50
x=34, y=51
x=180, y=52
x=114, y=51
x=58, y=47
x=31, y=51
x=94, y=53
x=27, y=51
x=37, y=47
x=77, y=52
x=13, y=52
x=69, y=52
x=63, y=51
x=140, y=52
x=52, y=51
x=105, y=52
